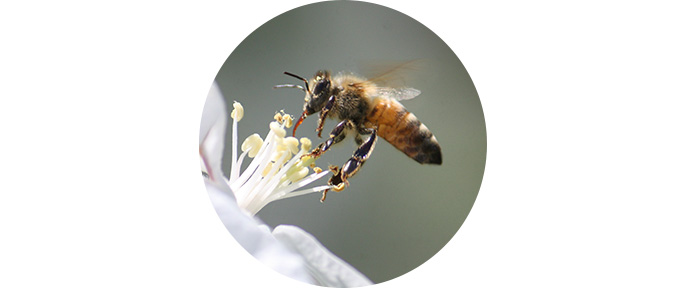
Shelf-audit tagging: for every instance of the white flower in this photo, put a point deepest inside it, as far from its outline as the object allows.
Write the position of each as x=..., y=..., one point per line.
x=279, y=168
x=271, y=176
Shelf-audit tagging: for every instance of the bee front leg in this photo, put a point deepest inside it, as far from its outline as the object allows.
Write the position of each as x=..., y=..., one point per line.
x=324, y=113
x=337, y=135
x=350, y=168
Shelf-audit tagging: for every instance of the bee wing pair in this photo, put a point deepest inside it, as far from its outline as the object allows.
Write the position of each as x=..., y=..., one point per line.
x=399, y=94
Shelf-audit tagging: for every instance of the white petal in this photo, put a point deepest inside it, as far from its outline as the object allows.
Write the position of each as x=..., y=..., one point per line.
x=256, y=240
x=326, y=268
x=212, y=133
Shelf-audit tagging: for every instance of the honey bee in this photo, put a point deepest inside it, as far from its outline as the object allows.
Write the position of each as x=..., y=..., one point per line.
x=367, y=109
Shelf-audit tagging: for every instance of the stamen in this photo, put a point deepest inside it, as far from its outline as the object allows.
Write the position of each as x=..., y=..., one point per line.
x=292, y=144
x=252, y=144
x=280, y=165
x=277, y=129
x=238, y=112
x=287, y=118
x=306, y=144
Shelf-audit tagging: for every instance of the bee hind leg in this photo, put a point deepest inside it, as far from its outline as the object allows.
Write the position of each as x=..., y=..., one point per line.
x=350, y=168
x=362, y=131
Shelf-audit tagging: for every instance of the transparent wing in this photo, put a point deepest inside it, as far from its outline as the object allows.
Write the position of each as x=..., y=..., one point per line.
x=397, y=93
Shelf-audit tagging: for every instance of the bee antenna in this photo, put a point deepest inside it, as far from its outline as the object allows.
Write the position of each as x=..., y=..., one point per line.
x=306, y=83
x=290, y=86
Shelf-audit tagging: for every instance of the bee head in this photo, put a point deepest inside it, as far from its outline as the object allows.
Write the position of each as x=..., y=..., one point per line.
x=317, y=91
x=317, y=95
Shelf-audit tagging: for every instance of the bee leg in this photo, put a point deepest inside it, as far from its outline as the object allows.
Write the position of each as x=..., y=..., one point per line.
x=360, y=156
x=324, y=113
x=338, y=186
x=362, y=131
x=337, y=135
x=350, y=168
x=358, y=139
x=335, y=170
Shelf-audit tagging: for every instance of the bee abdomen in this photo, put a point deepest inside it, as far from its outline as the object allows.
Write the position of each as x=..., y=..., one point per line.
x=404, y=131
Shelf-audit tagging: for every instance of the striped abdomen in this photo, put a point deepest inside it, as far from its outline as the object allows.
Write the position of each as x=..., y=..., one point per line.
x=404, y=131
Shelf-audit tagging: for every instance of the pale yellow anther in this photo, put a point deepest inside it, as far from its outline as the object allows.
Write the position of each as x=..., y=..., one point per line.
x=288, y=120
x=292, y=144
x=317, y=169
x=306, y=143
x=279, y=131
x=283, y=118
x=252, y=144
x=238, y=111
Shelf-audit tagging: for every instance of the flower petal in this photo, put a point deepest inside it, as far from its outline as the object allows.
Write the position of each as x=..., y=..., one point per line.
x=326, y=268
x=212, y=134
x=256, y=240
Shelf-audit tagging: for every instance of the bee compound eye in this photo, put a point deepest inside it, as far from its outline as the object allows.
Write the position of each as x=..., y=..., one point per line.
x=321, y=86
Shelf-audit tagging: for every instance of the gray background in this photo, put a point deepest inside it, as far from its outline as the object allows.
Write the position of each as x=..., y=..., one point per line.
x=396, y=213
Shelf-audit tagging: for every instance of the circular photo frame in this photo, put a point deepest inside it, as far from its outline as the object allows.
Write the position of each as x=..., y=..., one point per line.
x=401, y=153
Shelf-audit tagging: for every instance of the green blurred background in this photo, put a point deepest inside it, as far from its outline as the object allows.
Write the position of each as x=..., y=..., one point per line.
x=396, y=214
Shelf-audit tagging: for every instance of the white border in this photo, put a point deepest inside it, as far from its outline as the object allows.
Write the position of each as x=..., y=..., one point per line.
x=586, y=110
